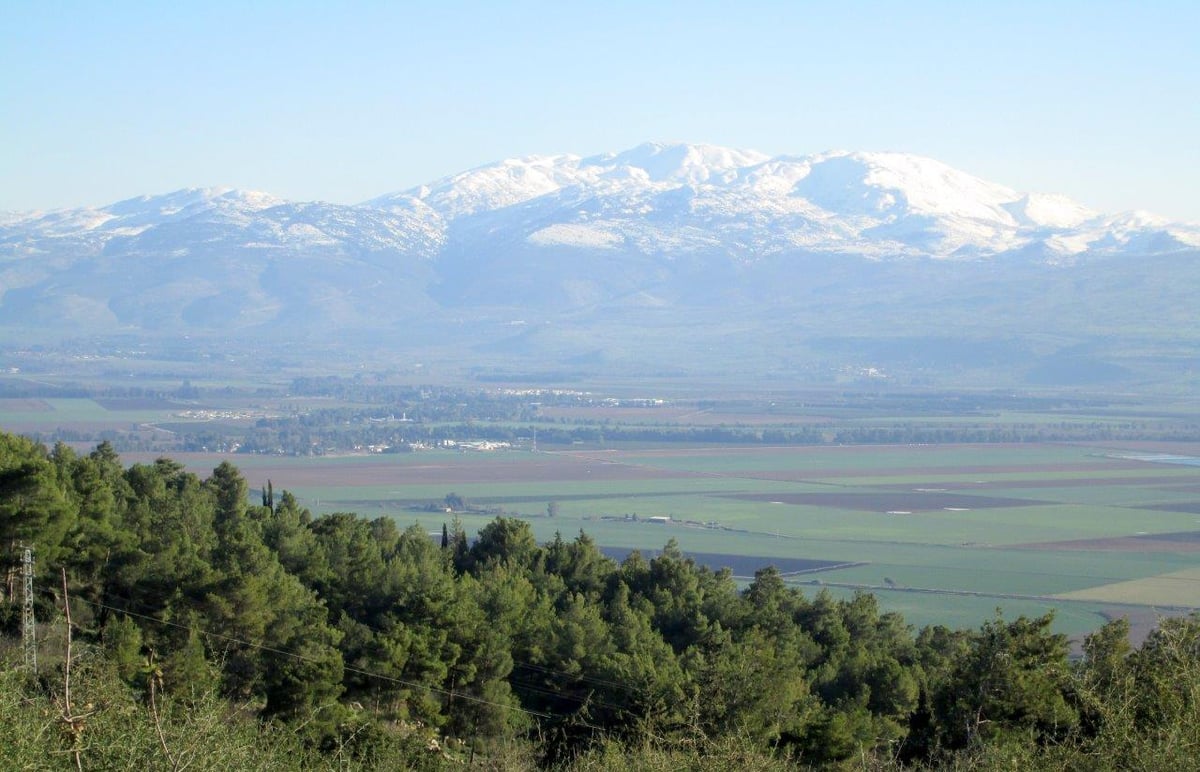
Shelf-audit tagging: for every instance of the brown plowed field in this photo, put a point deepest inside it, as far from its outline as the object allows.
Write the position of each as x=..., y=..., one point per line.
x=25, y=406
x=742, y=565
x=369, y=471
x=799, y=476
x=1190, y=507
x=1062, y=482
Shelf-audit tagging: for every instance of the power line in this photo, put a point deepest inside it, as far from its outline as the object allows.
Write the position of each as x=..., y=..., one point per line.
x=584, y=700
x=584, y=678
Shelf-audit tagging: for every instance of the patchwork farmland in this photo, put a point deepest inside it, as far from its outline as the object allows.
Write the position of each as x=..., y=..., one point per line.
x=944, y=534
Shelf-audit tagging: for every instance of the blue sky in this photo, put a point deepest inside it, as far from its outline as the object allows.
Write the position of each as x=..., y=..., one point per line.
x=344, y=102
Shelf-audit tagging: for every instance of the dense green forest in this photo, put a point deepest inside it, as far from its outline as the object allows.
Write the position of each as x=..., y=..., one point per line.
x=181, y=624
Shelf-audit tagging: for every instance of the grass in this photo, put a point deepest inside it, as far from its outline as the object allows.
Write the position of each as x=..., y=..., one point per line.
x=1053, y=522
x=72, y=411
x=997, y=571
x=1120, y=495
x=1176, y=588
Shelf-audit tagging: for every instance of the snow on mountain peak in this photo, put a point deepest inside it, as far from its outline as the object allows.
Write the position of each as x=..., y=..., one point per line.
x=517, y=180
x=670, y=197
x=681, y=162
x=492, y=186
x=1051, y=210
x=897, y=183
x=667, y=199
x=194, y=199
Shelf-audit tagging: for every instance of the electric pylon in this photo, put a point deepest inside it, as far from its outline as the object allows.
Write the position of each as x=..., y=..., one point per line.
x=28, y=622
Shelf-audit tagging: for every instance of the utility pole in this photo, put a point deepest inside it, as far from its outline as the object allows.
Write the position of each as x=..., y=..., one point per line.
x=28, y=622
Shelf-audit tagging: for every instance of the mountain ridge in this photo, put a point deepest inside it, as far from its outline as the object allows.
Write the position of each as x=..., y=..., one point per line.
x=841, y=243
x=882, y=203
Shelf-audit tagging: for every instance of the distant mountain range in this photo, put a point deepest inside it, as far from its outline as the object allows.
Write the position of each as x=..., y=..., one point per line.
x=671, y=255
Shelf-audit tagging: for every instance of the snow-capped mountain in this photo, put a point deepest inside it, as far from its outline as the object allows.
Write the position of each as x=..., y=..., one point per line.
x=657, y=199
x=664, y=227
x=665, y=199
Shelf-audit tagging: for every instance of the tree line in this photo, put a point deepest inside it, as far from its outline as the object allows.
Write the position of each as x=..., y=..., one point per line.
x=344, y=642
x=343, y=430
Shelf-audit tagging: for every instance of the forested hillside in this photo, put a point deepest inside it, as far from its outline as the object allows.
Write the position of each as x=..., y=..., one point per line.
x=181, y=624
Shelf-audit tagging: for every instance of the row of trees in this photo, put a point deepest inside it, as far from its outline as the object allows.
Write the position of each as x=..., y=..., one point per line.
x=369, y=413
x=324, y=431
x=350, y=633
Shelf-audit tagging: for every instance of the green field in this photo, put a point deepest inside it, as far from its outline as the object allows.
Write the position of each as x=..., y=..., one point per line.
x=49, y=414
x=941, y=533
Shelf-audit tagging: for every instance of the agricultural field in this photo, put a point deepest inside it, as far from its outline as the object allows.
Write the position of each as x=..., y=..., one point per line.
x=944, y=534
x=34, y=414
x=130, y=413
